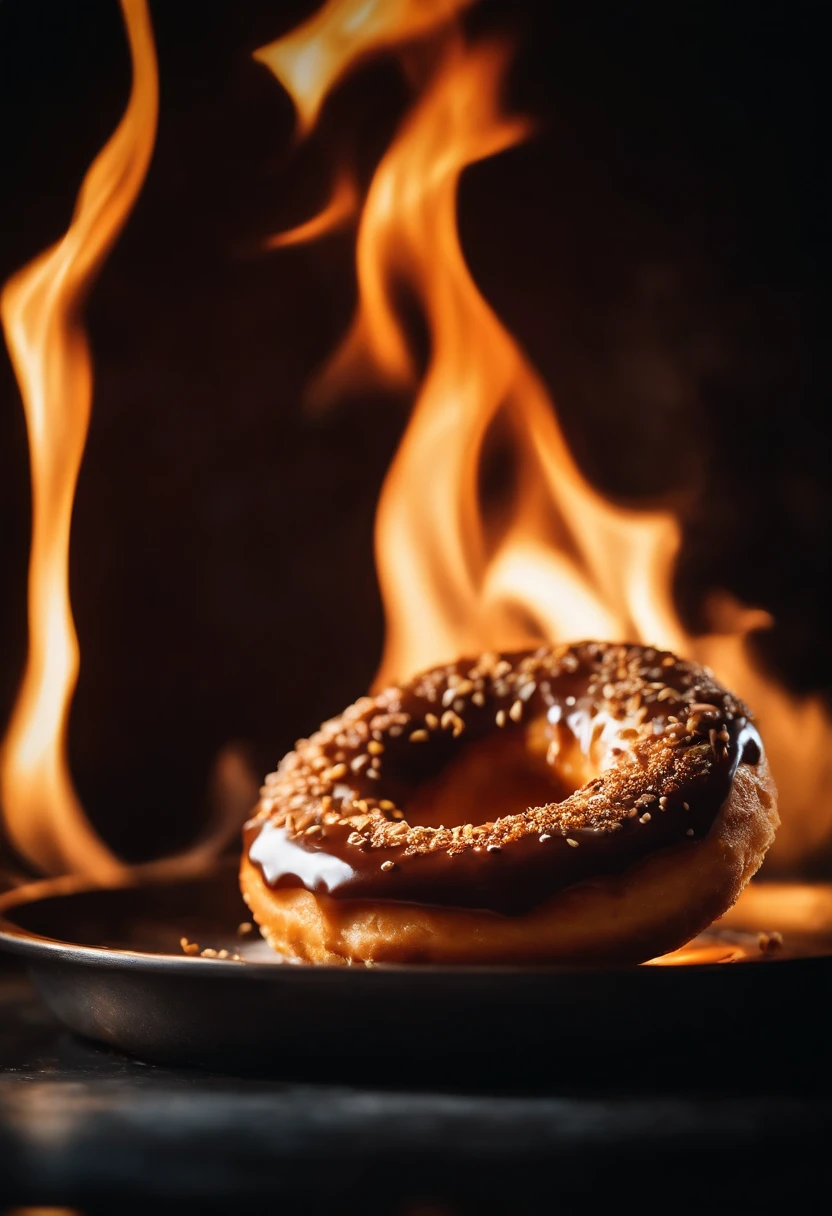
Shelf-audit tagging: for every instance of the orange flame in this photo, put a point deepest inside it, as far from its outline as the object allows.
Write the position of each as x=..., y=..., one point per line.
x=42, y=316
x=341, y=207
x=309, y=61
x=565, y=563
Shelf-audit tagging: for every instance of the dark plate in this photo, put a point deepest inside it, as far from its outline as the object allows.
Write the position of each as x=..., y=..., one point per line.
x=109, y=965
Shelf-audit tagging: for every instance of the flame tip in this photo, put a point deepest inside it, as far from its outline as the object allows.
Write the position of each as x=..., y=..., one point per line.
x=565, y=563
x=41, y=308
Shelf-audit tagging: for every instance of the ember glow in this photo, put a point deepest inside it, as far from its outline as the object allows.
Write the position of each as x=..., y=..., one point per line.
x=42, y=311
x=562, y=563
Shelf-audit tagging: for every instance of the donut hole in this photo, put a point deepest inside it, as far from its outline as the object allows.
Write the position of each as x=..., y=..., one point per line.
x=504, y=773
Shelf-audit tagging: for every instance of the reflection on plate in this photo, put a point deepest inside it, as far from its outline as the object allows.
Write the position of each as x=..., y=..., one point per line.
x=110, y=965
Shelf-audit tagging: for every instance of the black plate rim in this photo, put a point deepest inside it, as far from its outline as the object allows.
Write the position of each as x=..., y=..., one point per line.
x=38, y=947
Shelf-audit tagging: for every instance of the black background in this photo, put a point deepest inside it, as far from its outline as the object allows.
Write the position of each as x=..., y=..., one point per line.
x=659, y=248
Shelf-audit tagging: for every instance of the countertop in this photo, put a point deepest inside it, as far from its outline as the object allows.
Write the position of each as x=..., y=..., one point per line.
x=86, y=1127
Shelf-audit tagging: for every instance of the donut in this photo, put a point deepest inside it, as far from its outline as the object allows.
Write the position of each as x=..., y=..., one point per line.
x=590, y=803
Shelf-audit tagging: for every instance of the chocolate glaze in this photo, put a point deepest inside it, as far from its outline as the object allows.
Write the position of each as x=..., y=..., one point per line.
x=661, y=728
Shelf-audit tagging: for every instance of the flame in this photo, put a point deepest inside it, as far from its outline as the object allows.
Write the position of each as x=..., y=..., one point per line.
x=309, y=61
x=338, y=211
x=561, y=563
x=41, y=310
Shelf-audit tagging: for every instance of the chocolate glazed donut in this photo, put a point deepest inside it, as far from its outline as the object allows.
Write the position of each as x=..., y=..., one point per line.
x=584, y=803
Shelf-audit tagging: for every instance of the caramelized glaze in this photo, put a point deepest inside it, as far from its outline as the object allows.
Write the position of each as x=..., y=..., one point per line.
x=494, y=783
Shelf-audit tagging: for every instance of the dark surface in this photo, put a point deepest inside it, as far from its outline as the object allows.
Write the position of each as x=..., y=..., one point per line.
x=86, y=1126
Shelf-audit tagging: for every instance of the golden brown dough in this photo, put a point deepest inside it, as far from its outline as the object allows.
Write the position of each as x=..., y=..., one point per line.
x=660, y=807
